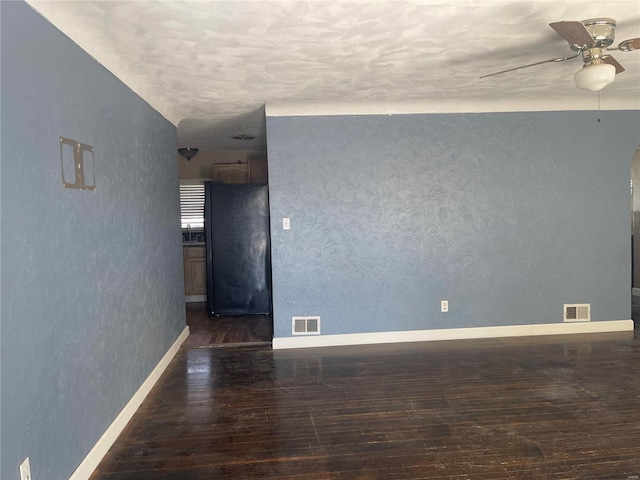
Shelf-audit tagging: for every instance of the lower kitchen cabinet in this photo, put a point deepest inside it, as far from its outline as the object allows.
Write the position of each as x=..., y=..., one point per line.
x=195, y=270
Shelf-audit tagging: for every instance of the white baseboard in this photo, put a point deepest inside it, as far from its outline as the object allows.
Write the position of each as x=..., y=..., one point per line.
x=102, y=446
x=452, y=334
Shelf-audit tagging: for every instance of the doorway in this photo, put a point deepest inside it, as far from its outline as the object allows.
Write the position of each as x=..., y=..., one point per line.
x=635, y=222
x=635, y=237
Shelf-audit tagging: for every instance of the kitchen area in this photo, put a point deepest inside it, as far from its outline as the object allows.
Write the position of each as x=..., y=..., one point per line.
x=208, y=326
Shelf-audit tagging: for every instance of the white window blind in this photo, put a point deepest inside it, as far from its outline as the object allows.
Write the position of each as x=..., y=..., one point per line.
x=192, y=205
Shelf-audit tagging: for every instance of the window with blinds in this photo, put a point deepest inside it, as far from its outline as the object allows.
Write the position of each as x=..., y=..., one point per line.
x=192, y=205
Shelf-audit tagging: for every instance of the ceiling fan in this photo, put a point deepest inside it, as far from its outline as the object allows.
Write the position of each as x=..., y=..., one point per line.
x=590, y=38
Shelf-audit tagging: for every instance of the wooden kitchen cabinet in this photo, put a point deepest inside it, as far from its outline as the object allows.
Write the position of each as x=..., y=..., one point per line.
x=231, y=172
x=195, y=270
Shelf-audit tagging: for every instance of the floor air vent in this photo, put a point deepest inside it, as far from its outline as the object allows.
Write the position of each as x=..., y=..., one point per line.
x=305, y=325
x=577, y=312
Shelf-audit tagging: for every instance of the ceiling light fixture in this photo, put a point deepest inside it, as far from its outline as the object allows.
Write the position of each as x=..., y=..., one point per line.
x=599, y=69
x=595, y=77
x=188, y=152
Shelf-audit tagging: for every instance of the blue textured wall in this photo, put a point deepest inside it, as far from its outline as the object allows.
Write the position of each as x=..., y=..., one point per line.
x=92, y=287
x=506, y=215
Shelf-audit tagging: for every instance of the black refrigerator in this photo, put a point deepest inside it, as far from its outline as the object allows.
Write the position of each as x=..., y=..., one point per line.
x=238, y=249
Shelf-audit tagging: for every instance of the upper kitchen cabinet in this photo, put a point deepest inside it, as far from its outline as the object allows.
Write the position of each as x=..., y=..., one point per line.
x=231, y=172
x=225, y=166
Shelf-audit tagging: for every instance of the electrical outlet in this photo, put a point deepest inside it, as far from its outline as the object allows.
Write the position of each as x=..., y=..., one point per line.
x=444, y=305
x=286, y=224
x=25, y=470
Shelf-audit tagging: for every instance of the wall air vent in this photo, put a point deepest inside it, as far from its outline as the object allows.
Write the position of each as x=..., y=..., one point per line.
x=305, y=325
x=577, y=312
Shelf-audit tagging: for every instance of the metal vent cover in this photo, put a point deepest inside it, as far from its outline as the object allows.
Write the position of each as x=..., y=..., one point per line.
x=305, y=325
x=577, y=312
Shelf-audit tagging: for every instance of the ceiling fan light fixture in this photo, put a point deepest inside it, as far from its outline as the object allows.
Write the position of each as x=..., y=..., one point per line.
x=595, y=77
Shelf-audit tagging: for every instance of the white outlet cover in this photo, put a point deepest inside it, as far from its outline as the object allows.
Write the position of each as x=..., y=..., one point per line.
x=444, y=306
x=286, y=224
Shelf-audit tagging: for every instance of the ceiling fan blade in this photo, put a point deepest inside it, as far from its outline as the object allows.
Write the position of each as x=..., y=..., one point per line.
x=628, y=45
x=574, y=32
x=612, y=61
x=561, y=59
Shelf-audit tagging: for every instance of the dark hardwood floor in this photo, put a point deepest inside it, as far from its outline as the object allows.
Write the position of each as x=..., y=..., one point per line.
x=563, y=407
x=225, y=330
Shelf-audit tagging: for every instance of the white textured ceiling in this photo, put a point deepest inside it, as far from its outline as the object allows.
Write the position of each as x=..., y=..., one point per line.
x=211, y=66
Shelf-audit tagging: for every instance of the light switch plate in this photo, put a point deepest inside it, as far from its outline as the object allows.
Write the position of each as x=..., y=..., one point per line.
x=286, y=224
x=25, y=470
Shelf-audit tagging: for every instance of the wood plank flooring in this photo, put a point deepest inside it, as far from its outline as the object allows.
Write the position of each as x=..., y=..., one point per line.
x=225, y=330
x=528, y=408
